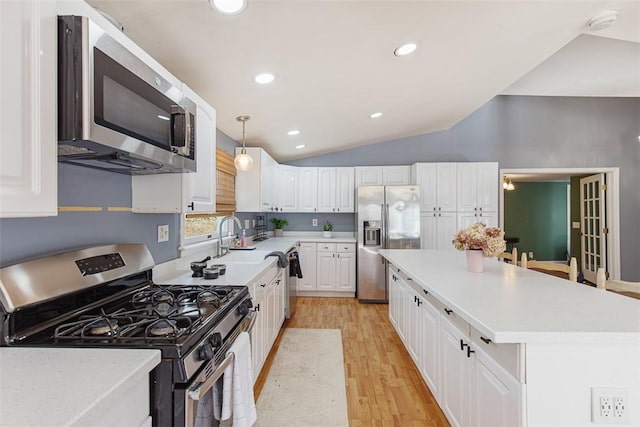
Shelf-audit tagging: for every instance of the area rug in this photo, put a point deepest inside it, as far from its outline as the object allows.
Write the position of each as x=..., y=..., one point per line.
x=305, y=385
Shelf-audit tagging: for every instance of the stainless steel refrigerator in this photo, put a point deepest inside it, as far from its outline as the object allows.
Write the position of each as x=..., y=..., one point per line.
x=388, y=217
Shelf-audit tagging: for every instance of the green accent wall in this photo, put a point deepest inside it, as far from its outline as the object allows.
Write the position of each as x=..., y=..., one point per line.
x=536, y=212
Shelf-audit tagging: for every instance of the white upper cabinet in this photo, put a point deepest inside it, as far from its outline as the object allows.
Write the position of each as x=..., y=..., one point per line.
x=187, y=192
x=382, y=175
x=368, y=175
x=288, y=190
x=256, y=188
x=437, y=183
x=308, y=190
x=28, y=117
x=477, y=187
x=345, y=189
x=336, y=191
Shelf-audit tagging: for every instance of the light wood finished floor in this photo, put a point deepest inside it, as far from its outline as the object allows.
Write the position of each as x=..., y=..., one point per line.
x=384, y=388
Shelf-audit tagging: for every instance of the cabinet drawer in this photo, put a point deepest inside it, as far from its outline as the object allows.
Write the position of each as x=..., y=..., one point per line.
x=506, y=355
x=455, y=319
x=345, y=247
x=326, y=247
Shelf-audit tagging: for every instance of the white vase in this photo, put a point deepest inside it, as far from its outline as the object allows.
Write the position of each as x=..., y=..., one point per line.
x=475, y=260
x=327, y=234
x=277, y=232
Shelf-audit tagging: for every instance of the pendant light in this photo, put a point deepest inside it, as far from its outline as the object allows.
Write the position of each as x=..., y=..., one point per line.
x=243, y=161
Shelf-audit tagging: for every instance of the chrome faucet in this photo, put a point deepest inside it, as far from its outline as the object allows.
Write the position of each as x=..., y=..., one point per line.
x=223, y=250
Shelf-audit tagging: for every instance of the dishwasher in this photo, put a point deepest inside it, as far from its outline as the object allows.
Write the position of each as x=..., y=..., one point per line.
x=294, y=273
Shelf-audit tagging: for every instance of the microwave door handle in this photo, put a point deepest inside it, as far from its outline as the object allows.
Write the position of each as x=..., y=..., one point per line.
x=183, y=147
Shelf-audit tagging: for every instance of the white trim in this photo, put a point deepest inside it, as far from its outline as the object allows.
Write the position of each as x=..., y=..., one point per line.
x=613, y=204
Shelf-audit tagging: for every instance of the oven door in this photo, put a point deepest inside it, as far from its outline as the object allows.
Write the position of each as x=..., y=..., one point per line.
x=208, y=376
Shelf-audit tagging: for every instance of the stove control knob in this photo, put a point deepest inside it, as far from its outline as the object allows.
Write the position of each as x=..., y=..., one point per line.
x=244, y=307
x=205, y=352
x=216, y=340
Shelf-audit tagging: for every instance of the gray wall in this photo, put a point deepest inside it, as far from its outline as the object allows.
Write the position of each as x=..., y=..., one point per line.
x=532, y=132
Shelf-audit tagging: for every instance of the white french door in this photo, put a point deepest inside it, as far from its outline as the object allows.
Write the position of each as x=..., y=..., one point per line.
x=593, y=225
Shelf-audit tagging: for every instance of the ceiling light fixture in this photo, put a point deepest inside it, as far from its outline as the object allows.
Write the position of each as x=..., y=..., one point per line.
x=229, y=7
x=375, y=115
x=405, y=49
x=507, y=184
x=264, y=78
x=243, y=161
x=293, y=132
x=603, y=20
x=300, y=146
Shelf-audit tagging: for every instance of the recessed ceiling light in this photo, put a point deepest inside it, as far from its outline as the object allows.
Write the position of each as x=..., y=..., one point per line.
x=405, y=49
x=375, y=115
x=300, y=146
x=603, y=20
x=264, y=78
x=229, y=7
x=293, y=132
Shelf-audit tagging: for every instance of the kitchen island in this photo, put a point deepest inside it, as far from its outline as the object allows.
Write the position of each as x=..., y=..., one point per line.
x=75, y=387
x=512, y=346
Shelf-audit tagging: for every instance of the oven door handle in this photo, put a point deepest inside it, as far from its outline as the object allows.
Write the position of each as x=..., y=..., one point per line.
x=198, y=392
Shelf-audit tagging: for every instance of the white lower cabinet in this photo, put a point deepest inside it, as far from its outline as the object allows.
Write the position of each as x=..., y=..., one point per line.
x=328, y=269
x=267, y=292
x=475, y=381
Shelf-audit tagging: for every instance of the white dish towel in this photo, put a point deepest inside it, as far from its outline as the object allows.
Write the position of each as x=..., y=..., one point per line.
x=239, y=391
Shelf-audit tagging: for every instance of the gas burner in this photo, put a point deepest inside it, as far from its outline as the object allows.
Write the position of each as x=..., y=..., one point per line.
x=103, y=326
x=154, y=297
x=162, y=328
x=208, y=297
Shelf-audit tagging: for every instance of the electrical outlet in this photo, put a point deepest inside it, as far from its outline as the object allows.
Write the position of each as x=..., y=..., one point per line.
x=314, y=222
x=609, y=405
x=254, y=223
x=530, y=255
x=246, y=224
x=163, y=233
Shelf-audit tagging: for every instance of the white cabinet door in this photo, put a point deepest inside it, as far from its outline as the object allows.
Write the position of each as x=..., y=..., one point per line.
x=429, y=318
x=454, y=397
x=346, y=271
x=496, y=398
x=345, y=190
x=446, y=182
x=488, y=187
x=259, y=330
x=396, y=175
x=288, y=190
x=393, y=299
x=199, y=188
x=248, y=183
x=269, y=183
x=425, y=175
x=467, y=187
x=446, y=227
x=469, y=218
x=308, y=193
x=326, y=189
x=326, y=271
x=401, y=317
x=428, y=230
x=28, y=118
x=368, y=175
x=307, y=257
x=413, y=325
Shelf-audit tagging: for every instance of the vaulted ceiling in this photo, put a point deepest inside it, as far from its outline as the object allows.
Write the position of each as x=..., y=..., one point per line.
x=334, y=63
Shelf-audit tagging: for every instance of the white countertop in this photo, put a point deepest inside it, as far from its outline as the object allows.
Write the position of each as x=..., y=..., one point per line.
x=515, y=305
x=241, y=273
x=66, y=386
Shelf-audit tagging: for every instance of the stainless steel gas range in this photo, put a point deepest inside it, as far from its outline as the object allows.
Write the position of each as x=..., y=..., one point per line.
x=104, y=297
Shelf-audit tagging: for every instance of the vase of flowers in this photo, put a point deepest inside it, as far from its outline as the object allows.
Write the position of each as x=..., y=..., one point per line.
x=278, y=224
x=479, y=242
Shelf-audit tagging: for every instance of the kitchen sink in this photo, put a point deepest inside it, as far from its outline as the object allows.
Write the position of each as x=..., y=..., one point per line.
x=242, y=257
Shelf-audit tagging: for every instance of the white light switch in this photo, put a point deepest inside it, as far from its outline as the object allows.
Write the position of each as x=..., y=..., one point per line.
x=246, y=223
x=575, y=225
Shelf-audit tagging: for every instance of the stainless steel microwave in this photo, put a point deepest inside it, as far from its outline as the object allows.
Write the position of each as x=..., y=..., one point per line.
x=114, y=111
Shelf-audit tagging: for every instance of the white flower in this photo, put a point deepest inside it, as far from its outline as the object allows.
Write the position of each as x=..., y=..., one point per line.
x=479, y=236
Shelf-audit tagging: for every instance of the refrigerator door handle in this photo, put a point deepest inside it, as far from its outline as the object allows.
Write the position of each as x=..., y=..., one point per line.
x=385, y=212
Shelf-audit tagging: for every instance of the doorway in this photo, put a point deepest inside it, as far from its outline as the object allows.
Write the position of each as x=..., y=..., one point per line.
x=610, y=210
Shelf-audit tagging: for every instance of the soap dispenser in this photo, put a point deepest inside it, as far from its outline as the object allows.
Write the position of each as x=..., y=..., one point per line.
x=243, y=239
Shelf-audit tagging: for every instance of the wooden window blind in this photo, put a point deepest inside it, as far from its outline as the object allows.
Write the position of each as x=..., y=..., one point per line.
x=225, y=183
